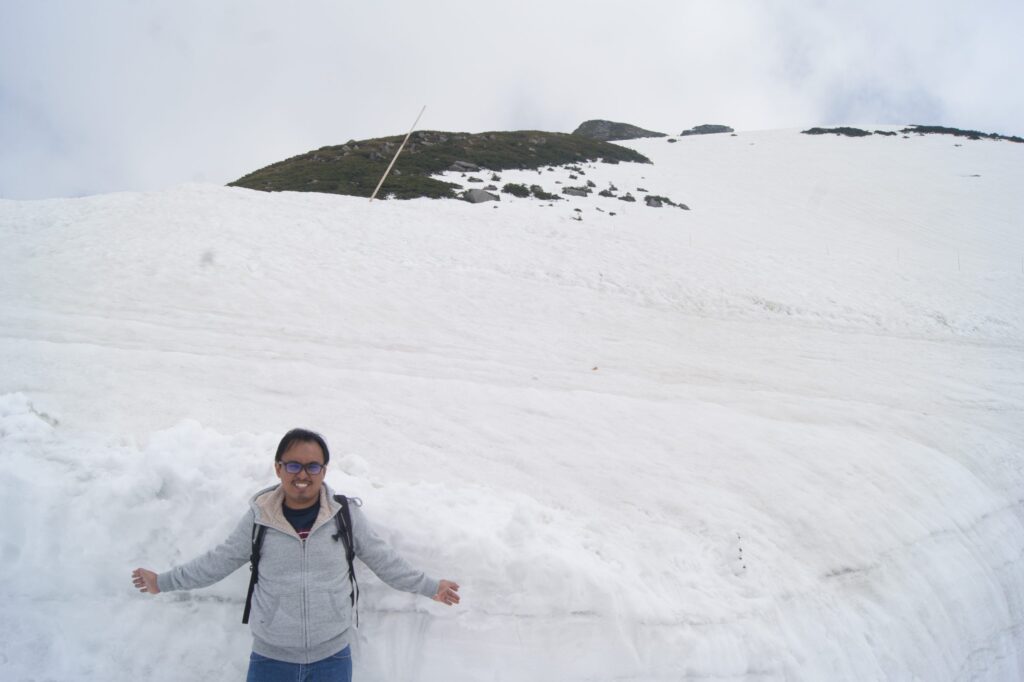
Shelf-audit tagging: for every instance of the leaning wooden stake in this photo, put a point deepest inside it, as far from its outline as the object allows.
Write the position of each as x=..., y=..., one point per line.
x=400, y=148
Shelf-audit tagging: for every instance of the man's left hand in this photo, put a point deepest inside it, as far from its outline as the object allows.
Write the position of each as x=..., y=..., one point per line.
x=447, y=593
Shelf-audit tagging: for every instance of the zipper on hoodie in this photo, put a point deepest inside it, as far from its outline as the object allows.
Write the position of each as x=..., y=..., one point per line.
x=305, y=600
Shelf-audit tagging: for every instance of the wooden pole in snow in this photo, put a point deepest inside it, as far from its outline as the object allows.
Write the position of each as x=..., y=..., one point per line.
x=400, y=148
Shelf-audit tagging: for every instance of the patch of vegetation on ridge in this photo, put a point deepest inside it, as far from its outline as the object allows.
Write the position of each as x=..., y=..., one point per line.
x=969, y=134
x=522, y=191
x=355, y=168
x=516, y=189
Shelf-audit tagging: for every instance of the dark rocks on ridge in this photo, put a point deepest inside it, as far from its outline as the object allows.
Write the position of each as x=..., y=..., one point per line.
x=919, y=129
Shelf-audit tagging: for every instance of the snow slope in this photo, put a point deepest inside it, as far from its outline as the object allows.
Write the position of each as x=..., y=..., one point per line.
x=775, y=437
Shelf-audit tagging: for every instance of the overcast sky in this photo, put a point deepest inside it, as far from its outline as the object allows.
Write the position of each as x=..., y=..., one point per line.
x=108, y=95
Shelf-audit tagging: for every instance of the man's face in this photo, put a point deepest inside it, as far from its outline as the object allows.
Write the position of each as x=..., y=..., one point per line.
x=301, y=490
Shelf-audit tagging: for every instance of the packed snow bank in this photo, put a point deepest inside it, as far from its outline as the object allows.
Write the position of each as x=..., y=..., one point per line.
x=659, y=445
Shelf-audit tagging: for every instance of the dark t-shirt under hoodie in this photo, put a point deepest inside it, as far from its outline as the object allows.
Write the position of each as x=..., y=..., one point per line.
x=302, y=520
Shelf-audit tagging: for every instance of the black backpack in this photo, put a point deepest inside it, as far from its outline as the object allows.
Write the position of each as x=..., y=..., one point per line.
x=343, y=521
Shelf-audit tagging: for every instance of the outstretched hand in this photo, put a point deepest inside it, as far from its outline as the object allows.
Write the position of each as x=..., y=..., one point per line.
x=145, y=581
x=447, y=593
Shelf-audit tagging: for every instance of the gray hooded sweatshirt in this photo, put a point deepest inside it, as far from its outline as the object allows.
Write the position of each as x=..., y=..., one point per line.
x=301, y=609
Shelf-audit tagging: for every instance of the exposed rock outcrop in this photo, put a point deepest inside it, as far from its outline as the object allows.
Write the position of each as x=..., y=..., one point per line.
x=657, y=201
x=606, y=131
x=478, y=196
x=707, y=129
x=844, y=130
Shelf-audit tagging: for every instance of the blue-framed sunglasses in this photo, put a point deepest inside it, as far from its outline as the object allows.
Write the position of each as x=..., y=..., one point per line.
x=312, y=468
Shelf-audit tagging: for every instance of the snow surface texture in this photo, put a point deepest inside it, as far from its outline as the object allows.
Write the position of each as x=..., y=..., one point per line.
x=776, y=437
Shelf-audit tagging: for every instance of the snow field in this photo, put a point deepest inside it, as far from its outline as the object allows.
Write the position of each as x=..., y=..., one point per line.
x=660, y=445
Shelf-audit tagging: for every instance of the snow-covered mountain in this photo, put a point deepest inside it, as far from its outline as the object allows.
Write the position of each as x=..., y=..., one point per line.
x=779, y=436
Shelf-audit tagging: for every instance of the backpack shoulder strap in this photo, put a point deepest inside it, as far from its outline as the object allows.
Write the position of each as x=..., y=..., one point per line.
x=258, y=530
x=343, y=521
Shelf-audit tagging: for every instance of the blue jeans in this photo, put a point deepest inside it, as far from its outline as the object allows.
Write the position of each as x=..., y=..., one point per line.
x=336, y=668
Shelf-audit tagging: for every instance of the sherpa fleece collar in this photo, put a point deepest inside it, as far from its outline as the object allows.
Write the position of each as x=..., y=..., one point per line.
x=269, y=507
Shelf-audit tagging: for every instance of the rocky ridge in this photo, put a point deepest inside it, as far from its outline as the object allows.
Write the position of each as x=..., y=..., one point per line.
x=356, y=167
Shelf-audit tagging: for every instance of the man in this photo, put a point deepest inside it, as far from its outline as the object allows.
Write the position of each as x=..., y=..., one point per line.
x=302, y=602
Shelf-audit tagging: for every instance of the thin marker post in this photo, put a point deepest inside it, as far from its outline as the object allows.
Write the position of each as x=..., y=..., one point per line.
x=395, y=158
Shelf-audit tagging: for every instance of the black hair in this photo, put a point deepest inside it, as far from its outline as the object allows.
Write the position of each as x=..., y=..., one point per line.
x=302, y=436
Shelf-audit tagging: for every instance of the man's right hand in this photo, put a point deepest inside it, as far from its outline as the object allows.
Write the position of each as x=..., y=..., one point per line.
x=145, y=580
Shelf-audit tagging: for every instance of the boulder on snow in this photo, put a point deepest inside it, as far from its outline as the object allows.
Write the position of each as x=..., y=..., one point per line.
x=605, y=131
x=477, y=196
